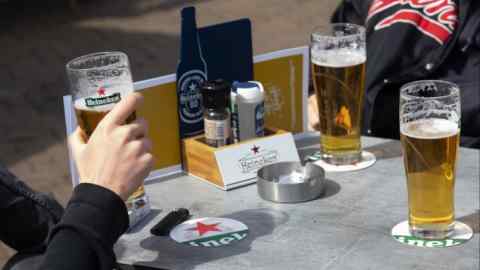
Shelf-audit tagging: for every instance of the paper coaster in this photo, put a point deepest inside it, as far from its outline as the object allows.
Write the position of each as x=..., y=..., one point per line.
x=209, y=232
x=461, y=234
x=368, y=159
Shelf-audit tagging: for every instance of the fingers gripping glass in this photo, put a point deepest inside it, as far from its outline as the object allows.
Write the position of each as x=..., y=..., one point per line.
x=97, y=82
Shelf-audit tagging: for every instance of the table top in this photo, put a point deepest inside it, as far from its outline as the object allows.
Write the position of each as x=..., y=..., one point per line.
x=348, y=228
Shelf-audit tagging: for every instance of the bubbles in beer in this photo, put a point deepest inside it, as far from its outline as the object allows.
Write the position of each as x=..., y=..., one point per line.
x=430, y=151
x=339, y=79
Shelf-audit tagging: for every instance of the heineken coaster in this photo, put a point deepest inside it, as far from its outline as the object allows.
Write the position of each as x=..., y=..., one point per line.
x=368, y=159
x=461, y=234
x=209, y=232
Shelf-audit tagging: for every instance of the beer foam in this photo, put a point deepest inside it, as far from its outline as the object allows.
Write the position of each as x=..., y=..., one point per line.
x=337, y=58
x=430, y=128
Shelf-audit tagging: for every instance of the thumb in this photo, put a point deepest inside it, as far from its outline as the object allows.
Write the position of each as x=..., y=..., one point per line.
x=77, y=141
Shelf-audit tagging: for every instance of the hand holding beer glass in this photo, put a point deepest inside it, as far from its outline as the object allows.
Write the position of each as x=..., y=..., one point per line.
x=338, y=55
x=430, y=134
x=97, y=82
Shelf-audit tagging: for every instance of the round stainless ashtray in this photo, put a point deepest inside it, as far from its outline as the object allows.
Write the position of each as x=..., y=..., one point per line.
x=288, y=182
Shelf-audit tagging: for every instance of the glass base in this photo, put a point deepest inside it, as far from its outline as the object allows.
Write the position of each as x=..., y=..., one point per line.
x=138, y=208
x=433, y=231
x=461, y=234
x=342, y=159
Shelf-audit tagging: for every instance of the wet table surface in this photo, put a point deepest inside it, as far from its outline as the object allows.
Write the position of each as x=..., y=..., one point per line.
x=348, y=228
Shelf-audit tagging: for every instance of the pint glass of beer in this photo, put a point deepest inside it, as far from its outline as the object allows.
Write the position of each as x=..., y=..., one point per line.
x=430, y=134
x=97, y=82
x=338, y=56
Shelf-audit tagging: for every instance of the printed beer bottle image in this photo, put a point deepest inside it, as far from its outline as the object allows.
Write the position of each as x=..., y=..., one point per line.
x=191, y=73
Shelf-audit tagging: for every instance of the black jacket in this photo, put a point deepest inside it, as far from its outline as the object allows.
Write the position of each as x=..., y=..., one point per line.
x=408, y=41
x=83, y=238
x=26, y=216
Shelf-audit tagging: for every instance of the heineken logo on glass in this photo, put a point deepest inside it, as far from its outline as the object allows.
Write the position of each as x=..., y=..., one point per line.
x=209, y=232
x=101, y=91
x=102, y=99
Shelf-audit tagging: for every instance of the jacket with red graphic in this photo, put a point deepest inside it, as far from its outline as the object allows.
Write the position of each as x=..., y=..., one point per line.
x=410, y=40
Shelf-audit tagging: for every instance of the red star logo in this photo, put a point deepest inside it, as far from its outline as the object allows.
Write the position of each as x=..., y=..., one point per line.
x=101, y=91
x=204, y=228
x=255, y=149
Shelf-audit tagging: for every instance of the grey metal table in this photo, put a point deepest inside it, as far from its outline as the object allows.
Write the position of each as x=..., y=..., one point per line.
x=348, y=228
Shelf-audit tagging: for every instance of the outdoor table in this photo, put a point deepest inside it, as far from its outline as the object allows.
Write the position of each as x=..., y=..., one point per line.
x=348, y=228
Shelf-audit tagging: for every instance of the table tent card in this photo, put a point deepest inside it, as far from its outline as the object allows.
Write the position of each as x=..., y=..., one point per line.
x=285, y=76
x=239, y=164
x=218, y=51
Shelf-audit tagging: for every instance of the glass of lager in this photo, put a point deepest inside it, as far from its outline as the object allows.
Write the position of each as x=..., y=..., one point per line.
x=97, y=82
x=430, y=134
x=338, y=56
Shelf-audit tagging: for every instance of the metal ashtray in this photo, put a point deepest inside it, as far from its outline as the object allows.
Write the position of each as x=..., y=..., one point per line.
x=288, y=182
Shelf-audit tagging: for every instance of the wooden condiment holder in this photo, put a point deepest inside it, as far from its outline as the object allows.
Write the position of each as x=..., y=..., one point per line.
x=200, y=159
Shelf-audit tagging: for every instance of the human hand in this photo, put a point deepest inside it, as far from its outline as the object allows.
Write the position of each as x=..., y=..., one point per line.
x=313, y=122
x=117, y=155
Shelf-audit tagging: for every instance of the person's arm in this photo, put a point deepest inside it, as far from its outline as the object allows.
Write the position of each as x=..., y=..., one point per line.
x=94, y=219
x=111, y=166
x=27, y=216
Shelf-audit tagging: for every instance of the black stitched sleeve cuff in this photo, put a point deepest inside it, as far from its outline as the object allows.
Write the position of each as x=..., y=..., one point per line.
x=98, y=211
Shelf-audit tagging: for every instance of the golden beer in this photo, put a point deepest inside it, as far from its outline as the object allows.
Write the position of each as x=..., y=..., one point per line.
x=430, y=152
x=88, y=119
x=339, y=81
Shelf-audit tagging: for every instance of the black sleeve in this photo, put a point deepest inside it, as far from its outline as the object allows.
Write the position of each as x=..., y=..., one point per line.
x=27, y=216
x=352, y=11
x=470, y=142
x=93, y=221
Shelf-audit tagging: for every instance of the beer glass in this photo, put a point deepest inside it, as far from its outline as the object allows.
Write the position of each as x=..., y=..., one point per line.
x=338, y=56
x=97, y=82
x=430, y=134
